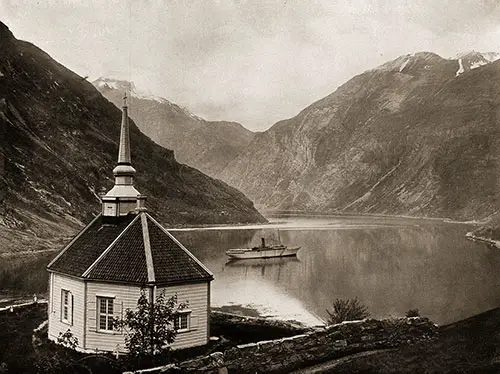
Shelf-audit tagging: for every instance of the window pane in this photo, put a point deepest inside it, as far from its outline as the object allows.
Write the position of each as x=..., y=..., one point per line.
x=184, y=321
x=65, y=297
x=110, y=322
x=176, y=322
x=102, y=306
x=105, y=313
x=102, y=322
x=65, y=312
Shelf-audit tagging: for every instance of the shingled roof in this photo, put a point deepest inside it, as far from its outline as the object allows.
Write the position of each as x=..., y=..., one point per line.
x=134, y=249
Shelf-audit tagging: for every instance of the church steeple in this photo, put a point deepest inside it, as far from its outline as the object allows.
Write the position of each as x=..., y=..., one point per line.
x=124, y=150
x=124, y=172
x=123, y=198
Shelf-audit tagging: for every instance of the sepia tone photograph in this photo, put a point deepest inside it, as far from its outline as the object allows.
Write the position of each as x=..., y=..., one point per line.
x=249, y=186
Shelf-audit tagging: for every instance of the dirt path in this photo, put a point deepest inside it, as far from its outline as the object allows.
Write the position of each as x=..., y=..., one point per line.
x=326, y=367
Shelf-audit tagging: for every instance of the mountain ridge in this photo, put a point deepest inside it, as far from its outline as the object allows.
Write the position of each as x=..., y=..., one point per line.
x=59, y=149
x=206, y=145
x=372, y=145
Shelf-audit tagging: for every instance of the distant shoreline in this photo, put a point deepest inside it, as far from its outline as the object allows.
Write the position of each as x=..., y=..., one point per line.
x=270, y=213
x=471, y=236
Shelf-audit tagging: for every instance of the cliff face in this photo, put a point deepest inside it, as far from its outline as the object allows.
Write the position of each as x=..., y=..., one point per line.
x=58, y=146
x=418, y=135
x=206, y=145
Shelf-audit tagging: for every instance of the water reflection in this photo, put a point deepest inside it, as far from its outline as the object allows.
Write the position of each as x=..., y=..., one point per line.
x=392, y=265
x=23, y=275
x=274, y=266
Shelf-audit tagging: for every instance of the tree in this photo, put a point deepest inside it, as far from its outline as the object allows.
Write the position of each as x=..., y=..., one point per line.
x=149, y=330
x=347, y=310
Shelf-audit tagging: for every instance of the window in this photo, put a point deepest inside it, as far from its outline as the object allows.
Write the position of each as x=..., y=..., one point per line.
x=105, y=313
x=182, y=321
x=66, y=306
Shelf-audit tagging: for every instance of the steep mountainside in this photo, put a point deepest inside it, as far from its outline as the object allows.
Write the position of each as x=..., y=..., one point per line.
x=58, y=147
x=206, y=145
x=418, y=135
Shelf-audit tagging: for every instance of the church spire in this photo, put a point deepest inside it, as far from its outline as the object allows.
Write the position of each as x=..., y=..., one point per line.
x=124, y=150
x=124, y=172
x=123, y=198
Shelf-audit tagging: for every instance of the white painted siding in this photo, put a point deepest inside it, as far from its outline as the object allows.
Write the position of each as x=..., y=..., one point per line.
x=125, y=297
x=197, y=297
x=57, y=283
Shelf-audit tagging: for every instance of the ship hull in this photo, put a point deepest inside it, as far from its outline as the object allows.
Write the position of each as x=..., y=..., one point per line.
x=246, y=253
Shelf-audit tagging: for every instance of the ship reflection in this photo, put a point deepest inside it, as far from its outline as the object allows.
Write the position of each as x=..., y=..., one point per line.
x=272, y=265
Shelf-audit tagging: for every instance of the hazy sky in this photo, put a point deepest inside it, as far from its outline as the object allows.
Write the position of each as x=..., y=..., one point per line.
x=255, y=62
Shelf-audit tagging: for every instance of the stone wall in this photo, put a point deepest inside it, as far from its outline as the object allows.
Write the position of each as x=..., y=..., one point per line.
x=242, y=329
x=283, y=355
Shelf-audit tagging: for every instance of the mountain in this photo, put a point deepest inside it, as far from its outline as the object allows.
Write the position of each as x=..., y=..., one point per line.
x=473, y=60
x=58, y=147
x=411, y=136
x=205, y=145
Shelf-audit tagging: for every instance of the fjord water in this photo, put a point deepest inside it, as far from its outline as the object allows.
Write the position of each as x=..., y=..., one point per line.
x=390, y=264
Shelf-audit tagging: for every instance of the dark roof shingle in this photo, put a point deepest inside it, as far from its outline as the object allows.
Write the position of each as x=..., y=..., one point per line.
x=172, y=264
x=115, y=251
x=90, y=243
x=125, y=261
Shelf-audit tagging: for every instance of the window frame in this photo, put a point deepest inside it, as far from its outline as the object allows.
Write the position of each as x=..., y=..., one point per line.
x=66, y=306
x=109, y=329
x=178, y=320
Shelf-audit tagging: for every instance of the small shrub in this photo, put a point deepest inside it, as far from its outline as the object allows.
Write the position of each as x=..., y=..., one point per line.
x=67, y=339
x=149, y=330
x=347, y=310
x=412, y=313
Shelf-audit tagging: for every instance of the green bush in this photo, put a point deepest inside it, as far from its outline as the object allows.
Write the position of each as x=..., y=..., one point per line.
x=347, y=310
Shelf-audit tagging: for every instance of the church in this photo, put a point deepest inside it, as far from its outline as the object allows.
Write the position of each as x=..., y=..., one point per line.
x=101, y=272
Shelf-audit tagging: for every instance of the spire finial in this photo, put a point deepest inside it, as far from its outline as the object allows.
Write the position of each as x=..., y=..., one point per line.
x=125, y=99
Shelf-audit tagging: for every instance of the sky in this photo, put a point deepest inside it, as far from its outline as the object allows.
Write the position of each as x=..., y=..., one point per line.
x=256, y=61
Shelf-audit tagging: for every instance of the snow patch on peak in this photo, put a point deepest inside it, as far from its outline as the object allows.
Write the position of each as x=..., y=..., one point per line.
x=147, y=96
x=114, y=84
x=144, y=95
x=463, y=55
x=403, y=65
x=477, y=64
x=460, y=68
x=129, y=87
x=491, y=56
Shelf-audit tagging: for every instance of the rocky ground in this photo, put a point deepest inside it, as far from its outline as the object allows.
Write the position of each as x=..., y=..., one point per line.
x=468, y=346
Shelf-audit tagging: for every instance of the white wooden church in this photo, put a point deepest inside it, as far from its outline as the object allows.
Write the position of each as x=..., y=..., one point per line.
x=101, y=272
